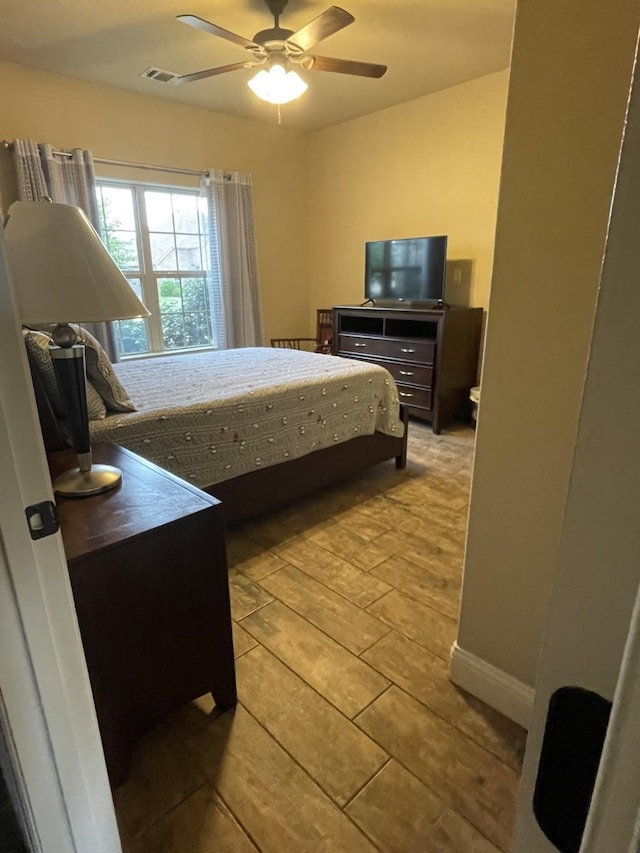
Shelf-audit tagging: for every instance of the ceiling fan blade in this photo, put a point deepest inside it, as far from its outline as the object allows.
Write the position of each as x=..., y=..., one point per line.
x=215, y=30
x=210, y=72
x=326, y=24
x=344, y=66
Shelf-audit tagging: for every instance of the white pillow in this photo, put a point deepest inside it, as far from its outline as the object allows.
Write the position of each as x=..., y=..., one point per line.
x=100, y=372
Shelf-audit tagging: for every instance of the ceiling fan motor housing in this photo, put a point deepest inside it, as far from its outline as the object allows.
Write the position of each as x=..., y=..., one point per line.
x=275, y=34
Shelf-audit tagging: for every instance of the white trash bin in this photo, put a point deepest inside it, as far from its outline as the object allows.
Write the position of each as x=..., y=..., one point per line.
x=474, y=396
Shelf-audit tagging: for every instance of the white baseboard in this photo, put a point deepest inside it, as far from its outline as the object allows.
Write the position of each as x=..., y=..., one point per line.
x=503, y=692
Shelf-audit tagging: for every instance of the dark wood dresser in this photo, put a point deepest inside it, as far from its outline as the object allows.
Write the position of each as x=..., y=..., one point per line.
x=148, y=571
x=432, y=354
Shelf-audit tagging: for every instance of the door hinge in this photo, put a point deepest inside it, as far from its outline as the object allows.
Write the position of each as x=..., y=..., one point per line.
x=42, y=519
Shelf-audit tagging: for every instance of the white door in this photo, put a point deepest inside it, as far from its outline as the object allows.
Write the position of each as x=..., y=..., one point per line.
x=50, y=745
x=598, y=569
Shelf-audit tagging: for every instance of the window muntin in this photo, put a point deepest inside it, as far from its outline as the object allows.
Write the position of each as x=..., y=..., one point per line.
x=186, y=314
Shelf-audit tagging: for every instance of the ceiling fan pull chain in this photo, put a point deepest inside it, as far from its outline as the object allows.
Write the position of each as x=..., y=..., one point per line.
x=279, y=115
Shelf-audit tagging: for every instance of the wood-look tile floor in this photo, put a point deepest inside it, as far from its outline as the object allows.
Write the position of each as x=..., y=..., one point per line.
x=348, y=735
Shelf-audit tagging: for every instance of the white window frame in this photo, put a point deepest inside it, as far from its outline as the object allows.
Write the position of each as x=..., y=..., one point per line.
x=146, y=274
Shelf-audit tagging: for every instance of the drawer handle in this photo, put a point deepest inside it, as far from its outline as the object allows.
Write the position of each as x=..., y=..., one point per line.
x=405, y=372
x=402, y=394
x=406, y=349
x=359, y=345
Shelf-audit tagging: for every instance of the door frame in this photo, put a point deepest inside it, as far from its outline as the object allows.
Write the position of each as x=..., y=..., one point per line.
x=592, y=639
x=50, y=750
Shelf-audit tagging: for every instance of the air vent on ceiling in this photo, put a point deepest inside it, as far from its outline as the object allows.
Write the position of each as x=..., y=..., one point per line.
x=159, y=75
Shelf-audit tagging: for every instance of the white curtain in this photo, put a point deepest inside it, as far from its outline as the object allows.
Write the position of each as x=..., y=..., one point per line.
x=232, y=275
x=30, y=177
x=67, y=177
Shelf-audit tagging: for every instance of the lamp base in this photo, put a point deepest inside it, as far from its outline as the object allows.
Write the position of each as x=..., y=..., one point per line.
x=75, y=483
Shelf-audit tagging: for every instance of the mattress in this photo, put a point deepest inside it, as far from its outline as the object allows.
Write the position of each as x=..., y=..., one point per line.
x=211, y=416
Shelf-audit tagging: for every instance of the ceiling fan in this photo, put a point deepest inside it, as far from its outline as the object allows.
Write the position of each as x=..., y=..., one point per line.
x=275, y=50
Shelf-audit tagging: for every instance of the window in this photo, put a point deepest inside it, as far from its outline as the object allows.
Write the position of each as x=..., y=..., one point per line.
x=156, y=235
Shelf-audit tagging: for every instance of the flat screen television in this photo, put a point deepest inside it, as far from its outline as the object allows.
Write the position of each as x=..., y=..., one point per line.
x=410, y=269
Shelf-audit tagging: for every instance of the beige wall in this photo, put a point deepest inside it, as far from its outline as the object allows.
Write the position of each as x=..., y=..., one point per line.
x=567, y=96
x=430, y=166
x=124, y=126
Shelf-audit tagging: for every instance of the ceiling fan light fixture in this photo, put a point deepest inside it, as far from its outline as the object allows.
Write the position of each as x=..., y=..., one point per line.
x=277, y=85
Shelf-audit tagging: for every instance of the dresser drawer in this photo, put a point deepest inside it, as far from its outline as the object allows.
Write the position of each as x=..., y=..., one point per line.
x=410, y=373
x=422, y=352
x=420, y=397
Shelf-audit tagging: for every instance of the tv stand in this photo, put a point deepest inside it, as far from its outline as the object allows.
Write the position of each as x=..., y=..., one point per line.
x=431, y=353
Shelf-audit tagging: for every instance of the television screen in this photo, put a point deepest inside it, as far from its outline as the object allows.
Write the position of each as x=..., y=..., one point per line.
x=409, y=269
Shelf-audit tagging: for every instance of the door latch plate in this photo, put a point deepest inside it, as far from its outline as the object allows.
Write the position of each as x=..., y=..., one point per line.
x=42, y=519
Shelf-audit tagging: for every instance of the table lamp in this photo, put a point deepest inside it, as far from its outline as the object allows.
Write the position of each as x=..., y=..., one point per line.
x=62, y=273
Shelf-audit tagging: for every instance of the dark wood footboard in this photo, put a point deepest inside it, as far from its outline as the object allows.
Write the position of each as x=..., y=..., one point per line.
x=250, y=494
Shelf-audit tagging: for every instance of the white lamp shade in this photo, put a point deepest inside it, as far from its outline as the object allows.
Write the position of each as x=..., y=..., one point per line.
x=277, y=85
x=61, y=270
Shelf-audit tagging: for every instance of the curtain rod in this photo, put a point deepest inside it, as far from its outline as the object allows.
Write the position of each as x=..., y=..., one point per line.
x=9, y=146
x=148, y=166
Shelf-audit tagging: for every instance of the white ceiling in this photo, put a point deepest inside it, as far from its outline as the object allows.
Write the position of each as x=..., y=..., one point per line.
x=428, y=45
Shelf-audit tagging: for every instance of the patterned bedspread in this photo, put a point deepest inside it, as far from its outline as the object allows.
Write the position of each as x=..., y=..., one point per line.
x=211, y=416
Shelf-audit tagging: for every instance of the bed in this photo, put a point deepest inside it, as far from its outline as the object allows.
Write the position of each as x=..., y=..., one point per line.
x=256, y=427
